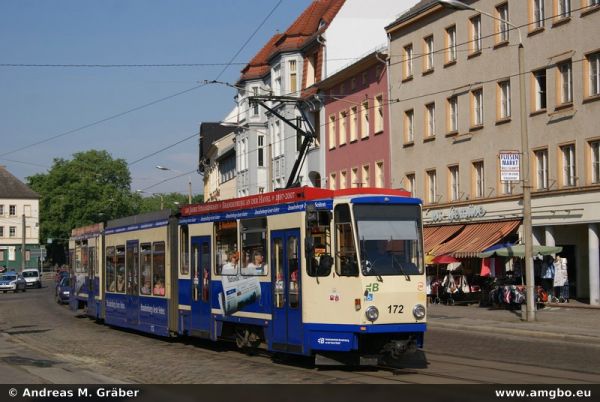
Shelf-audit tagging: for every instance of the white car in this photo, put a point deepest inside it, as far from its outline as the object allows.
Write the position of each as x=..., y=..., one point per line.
x=32, y=277
x=12, y=281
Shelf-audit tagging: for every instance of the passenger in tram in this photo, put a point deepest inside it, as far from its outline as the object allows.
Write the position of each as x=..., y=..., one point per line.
x=147, y=287
x=231, y=266
x=159, y=288
x=120, y=283
x=257, y=266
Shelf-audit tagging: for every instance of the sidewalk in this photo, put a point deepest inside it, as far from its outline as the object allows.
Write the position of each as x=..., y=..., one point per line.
x=572, y=322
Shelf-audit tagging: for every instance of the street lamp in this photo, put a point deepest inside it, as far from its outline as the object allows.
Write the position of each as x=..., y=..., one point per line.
x=162, y=200
x=527, y=226
x=159, y=167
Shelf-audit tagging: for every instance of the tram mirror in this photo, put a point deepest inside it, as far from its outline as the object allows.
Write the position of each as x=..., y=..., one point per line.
x=312, y=216
x=309, y=244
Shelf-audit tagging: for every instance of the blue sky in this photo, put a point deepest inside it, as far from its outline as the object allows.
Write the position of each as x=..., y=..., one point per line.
x=37, y=103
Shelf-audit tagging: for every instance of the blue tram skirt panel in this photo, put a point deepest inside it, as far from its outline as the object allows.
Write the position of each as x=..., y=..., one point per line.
x=146, y=314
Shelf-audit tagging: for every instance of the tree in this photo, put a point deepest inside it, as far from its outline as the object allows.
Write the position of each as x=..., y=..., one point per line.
x=92, y=187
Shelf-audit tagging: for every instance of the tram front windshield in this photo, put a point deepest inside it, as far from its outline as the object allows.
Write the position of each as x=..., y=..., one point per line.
x=389, y=239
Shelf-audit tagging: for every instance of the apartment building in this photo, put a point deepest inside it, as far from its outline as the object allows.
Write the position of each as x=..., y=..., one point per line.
x=217, y=160
x=455, y=81
x=19, y=223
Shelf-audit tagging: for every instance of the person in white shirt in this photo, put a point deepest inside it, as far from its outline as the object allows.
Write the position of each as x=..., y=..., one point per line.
x=256, y=266
x=231, y=266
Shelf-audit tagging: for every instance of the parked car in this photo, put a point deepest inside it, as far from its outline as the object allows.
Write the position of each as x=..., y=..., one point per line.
x=12, y=281
x=63, y=290
x=33, y=278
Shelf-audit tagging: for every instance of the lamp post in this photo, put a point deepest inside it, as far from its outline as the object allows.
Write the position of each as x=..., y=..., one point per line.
x=527, y=225
x=159, y=167
x=162, y=199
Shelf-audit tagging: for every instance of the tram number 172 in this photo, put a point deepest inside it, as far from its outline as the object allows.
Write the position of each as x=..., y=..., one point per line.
x=396, y=308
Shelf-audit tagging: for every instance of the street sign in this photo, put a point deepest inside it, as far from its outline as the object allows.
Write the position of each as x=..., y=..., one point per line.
x=510, y=165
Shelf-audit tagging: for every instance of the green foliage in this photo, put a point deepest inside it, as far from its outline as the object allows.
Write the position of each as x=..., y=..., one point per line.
x=90, y=188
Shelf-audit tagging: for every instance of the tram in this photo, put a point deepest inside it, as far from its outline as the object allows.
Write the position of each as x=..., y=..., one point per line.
x=338, y=275
x=85, y=256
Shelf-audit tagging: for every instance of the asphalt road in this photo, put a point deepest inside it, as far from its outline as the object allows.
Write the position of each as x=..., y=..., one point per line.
x=43, y=342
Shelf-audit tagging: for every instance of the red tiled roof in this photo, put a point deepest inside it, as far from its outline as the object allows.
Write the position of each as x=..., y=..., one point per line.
x=302, y=30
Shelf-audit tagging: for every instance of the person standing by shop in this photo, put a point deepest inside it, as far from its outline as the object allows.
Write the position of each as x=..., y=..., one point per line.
x=561, y=279
x=548, y=272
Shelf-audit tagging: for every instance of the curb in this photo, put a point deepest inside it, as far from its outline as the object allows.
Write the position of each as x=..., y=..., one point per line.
x=573, y=305
x=518, y=332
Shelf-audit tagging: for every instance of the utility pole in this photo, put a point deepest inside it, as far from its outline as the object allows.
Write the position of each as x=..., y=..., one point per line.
x=23, y=242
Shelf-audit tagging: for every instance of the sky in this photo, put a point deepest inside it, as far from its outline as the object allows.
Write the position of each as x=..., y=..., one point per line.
x=131, y=112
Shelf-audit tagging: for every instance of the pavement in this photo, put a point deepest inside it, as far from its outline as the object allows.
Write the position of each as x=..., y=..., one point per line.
x=571, y=322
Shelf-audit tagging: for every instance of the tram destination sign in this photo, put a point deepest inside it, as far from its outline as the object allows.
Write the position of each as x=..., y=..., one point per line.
x=510, y=165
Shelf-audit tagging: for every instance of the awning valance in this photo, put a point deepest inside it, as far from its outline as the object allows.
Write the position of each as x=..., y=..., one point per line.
x=477, y=237
x=433, y=236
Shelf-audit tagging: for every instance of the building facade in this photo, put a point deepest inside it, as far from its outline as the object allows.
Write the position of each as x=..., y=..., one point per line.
x=217, y=160
x=19, y=223
x=455, y=76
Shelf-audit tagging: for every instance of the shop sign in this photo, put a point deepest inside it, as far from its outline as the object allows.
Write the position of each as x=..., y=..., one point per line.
x=510, y=163
x=459, y=213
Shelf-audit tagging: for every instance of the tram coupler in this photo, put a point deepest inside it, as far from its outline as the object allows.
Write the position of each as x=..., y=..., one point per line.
x=398, y=348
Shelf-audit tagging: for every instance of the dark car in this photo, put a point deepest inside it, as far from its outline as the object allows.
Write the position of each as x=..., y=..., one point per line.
x=63, y=290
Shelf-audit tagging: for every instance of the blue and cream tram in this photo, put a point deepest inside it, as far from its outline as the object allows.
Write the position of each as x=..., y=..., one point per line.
x=85, y=256
x=338, y=275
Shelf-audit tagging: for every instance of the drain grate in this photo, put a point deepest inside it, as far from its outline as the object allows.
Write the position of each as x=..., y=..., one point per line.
x=26, y=361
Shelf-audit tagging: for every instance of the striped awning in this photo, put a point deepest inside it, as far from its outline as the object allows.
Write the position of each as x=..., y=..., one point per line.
x=477, y=237
x=433, y=236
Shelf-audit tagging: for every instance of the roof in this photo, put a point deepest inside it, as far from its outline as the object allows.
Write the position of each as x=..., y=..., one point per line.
x=211, y=132
x=139, y=219
x=11, y=187
x=417, y=9
x=313, y=21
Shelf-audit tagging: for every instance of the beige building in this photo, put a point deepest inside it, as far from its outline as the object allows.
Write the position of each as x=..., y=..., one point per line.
x=454, y=86
x=217, y=161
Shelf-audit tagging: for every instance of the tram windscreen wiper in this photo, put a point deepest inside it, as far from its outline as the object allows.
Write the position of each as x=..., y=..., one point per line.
x=400, y=267
x=367, y=263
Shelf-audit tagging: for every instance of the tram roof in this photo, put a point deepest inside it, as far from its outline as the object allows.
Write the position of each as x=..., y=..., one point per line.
x=298, y=194
x=92, y=229
x=140, y=218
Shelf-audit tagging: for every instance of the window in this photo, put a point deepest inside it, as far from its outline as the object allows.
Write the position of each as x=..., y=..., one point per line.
x=226, y=251
x=254, y=246
x=568, y=165
x=12, y=231
x=430, y=120
x=1, y=209
x=504, y=100
x=595, y=161
x=366, y=178
x=354, y=178
x=299, y=134
x=343, y=133
x=277, y=80
x=353, y=123
x=1, y=235
x=408, y=62
x=475, y=26
x=111, y=261
x=541, y=169
x=343, y=179
x=331, y=129
x=255, y=104
x=478, y=179
x=410, y=184
x=454, y=183
x=364, y=120
x=379, y=175
x=409, y=126
x=118, y=284
x=132, y=266
x=261, y=150
x=184, y=250
x=563, y=8
x=332, y=181
x=477, y=107
x=12, y=210
x=539, y=90
x=293, y=77
x=346, y=263
x=452, y=120
x=502, y=29
x=227, y=169
x=378, y=113
x=451, y=44
x=158, y=268
x=538, y=14
x=431, y=187
x=565, y=82
x=428, y=50
x=592, y=69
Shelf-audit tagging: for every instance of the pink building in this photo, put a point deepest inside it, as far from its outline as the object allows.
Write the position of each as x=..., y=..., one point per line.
x=357, y=125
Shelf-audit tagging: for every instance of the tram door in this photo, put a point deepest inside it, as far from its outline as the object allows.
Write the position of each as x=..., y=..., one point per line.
x=287, y=312
x=92, y=262
x=132, y=263
x=200, y=271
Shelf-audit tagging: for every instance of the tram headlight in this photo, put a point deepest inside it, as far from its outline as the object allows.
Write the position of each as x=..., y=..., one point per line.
x=372, y=313
x=419, y=311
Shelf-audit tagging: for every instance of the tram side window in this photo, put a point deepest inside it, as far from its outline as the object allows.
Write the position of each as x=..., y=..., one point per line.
x=184, y=250
x=226, y=253
x=120, y=269
x=158, y=262
x=254, y=246
x=85, y=260
x=318, y=244
x=110, y=269
x=146, y=269
x=345, y=262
